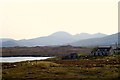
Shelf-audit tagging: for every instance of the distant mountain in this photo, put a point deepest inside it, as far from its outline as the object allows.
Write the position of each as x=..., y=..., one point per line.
x=98, y=35
x=10, y=44
x=6, y=39
x=108, y=40
x=87, y=36
x=7, y=42
x=60, y=34
x=57, y=38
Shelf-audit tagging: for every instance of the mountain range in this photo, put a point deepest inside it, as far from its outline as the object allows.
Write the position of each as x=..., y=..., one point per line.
x=63, y=38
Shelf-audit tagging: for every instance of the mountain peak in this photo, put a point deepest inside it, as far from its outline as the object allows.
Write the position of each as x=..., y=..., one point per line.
x=60, y=33
x=99, y=35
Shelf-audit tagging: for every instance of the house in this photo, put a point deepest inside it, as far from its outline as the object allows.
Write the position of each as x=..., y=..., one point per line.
x=103, y=51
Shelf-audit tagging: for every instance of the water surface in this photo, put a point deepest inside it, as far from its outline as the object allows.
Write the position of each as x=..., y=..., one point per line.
x=19, y=59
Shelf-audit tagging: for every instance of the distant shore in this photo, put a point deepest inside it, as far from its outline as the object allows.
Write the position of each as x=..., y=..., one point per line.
x=43, y=51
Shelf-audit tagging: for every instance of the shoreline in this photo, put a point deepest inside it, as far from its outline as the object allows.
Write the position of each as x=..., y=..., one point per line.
x=20, y=59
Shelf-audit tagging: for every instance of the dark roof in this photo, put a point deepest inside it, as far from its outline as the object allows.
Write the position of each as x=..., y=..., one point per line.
x=104, y=48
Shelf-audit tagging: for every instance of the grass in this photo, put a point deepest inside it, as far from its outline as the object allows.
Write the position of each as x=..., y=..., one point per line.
x=103, y=68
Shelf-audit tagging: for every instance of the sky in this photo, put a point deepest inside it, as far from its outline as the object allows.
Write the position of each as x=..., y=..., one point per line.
x=25, y=19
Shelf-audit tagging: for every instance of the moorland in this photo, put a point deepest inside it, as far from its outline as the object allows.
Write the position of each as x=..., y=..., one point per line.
x=92, y=68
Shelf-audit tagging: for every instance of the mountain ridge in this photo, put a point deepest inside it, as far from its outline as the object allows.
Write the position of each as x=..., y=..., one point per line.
x=57, y=38
x=107, y=40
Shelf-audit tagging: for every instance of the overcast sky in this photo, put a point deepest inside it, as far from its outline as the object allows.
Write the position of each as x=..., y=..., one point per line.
x=24, y=19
